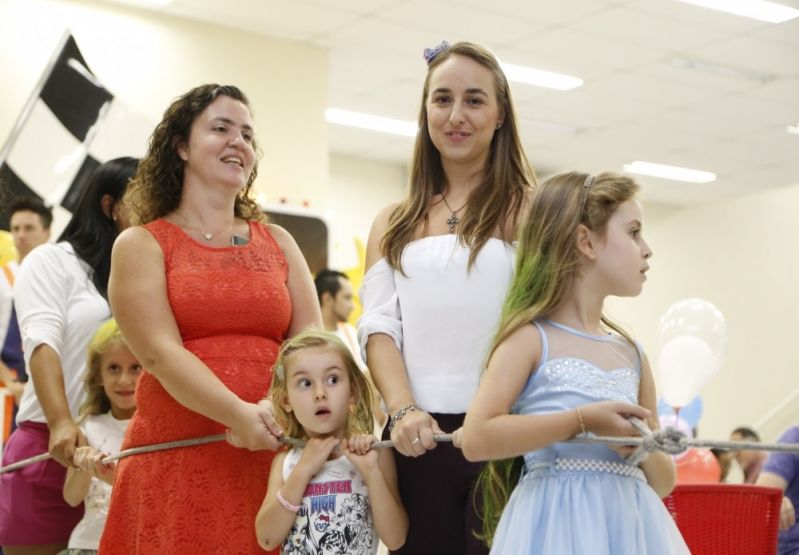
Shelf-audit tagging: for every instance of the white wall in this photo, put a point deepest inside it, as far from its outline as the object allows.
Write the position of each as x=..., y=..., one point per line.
x=359, y=189
x=147, y=60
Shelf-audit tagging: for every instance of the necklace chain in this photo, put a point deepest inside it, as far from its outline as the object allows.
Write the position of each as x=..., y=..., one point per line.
x=453, y=219
x=205, y=235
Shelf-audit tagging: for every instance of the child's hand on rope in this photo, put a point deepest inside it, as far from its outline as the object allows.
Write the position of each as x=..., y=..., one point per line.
x=316, y=452
x=358, y=449
x=611, y=418
x=456, y=437
x=89, y=459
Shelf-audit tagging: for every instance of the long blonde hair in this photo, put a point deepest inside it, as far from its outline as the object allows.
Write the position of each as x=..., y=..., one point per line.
x=508, y=174
x=547, y=266
x=97, y=402
x=359, y=420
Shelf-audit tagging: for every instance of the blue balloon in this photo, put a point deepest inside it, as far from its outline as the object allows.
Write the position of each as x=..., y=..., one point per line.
x=691, y=412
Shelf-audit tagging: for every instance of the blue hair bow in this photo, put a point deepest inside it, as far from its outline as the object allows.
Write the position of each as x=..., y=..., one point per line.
x=431, y=53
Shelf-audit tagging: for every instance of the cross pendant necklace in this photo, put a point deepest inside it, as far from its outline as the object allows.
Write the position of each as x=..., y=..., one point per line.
x=453, y=219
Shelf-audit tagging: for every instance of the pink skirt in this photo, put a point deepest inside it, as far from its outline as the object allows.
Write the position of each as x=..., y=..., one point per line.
x=32, y=506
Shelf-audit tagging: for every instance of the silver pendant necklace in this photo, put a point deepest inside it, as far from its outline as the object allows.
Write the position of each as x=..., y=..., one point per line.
x=453, y=219
x=205, y=235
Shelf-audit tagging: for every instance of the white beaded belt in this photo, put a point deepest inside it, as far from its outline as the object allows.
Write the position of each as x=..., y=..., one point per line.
x=586, y=465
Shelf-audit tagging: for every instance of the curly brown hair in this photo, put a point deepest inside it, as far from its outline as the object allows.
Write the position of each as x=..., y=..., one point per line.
x=156, y=189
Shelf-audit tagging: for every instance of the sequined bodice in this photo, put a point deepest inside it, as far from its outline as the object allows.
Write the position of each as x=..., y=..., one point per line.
x=607, y=368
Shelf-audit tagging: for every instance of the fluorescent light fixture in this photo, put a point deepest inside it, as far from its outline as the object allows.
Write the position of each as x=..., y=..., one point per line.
x=761, y=10
x=793, y=129
x=670, y=172
x=373, y=123
x=541, y=78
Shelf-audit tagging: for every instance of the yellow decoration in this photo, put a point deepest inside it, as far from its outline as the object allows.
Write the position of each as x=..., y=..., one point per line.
x=7, y=250
x=355, y=276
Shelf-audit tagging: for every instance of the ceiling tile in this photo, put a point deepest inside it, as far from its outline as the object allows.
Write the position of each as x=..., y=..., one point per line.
x=640, y=28
x=757, y=56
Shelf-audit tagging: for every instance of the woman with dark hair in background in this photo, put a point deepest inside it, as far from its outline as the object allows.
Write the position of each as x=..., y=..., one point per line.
x=204, y=293
x=60, y=296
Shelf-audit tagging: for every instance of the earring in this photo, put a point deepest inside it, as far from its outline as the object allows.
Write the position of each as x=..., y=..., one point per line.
x=499, y=124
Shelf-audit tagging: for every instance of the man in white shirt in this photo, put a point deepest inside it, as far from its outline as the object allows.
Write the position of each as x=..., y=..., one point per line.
x=336, y=301
x=29, y=220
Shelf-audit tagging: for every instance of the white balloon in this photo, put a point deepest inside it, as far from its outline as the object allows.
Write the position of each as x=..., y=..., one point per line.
x=696, y=317
x=685, y=364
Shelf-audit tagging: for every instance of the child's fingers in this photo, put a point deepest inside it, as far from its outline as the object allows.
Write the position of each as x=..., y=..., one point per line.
x=628, y=409
x=456, y=437
x=363, y=443
x=330, y=444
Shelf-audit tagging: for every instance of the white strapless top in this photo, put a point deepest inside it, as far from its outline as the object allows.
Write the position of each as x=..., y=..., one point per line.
x=441, y=316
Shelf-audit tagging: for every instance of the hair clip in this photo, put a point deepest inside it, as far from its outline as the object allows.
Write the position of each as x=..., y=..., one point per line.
x=586, y=187
x=431, y=53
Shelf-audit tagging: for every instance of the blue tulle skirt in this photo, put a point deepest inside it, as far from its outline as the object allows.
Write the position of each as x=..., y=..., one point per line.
x=597, y=513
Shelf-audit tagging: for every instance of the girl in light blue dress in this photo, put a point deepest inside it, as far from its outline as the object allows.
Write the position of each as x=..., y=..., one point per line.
x=558, y=369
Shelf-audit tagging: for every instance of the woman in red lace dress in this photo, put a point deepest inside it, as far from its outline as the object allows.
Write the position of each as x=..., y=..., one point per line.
x=204, y=294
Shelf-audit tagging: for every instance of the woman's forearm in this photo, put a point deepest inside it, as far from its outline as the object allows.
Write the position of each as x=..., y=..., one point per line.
x=48, y=382
x=388, y=371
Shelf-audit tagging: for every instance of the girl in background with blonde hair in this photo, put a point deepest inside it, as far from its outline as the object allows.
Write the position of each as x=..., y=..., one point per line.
x=110, y=383
x=559, y=368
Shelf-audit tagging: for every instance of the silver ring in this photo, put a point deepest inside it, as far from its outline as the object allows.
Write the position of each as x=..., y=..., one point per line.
x=415, y=440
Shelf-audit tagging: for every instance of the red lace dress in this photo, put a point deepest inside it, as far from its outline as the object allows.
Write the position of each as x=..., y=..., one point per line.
x=233, y=309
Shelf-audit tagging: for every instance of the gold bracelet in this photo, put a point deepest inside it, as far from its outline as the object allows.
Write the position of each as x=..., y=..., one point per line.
x=582, y=422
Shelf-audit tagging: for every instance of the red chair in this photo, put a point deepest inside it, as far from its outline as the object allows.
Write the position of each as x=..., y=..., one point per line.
x=726, y=519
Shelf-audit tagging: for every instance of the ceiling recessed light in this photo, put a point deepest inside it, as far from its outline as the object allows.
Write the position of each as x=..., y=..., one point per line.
x=675, y=173
x=541, y=78
x=793, y=129
x=371, y=122
x=770, y=12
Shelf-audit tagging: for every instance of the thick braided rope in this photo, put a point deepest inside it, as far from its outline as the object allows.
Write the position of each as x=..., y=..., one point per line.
x=669, y=441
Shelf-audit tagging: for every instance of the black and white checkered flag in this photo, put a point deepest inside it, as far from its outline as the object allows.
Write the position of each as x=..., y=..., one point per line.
x=70, y=125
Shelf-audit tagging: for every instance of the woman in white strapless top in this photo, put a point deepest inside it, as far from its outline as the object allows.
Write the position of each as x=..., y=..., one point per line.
x=438, y=266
